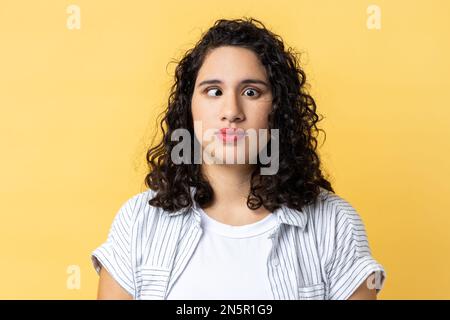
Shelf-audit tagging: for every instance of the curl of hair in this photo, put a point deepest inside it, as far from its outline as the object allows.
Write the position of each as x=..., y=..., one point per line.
x=299, y=177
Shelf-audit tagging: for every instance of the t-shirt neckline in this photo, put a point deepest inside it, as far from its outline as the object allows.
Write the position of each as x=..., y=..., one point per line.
x=243, y=231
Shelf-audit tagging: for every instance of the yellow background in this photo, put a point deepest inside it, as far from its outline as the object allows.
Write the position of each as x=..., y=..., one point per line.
x=78, y=109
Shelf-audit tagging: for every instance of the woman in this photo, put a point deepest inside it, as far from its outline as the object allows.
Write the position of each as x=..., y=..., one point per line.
x=248, y=229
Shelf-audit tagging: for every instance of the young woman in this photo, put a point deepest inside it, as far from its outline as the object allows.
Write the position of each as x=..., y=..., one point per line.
x=223, y=229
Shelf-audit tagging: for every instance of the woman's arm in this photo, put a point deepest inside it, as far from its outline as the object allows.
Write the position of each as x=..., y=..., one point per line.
x=109, y=289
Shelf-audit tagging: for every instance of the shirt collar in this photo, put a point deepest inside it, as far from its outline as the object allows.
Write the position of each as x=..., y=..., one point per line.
x=289, y=216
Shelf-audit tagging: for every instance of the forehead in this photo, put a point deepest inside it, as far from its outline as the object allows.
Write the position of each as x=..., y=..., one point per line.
x=230, y=62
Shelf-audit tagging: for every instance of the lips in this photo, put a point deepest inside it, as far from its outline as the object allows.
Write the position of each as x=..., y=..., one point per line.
x=230, y=134
x=232, y=131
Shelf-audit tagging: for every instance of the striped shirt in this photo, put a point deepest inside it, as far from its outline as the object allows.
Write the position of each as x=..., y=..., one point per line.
x=320, y=252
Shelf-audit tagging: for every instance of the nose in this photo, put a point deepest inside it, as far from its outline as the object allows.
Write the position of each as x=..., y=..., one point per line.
x=232, y=110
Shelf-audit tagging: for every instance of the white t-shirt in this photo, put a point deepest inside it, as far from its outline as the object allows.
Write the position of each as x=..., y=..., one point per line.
x=230, y=262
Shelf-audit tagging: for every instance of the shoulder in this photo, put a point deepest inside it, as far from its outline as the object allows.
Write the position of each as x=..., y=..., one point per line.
x=328, y=208
x=137, y=207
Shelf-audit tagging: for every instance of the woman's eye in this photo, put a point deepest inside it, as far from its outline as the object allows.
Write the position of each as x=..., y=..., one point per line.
x=253, y=92
x=212, y=90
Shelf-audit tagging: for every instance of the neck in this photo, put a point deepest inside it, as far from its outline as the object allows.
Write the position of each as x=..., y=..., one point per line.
x=231, y=183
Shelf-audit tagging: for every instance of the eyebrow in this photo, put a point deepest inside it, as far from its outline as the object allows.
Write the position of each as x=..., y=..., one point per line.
x=246, y=81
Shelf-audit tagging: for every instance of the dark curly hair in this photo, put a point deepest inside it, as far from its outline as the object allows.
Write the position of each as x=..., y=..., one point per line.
x=299, y=176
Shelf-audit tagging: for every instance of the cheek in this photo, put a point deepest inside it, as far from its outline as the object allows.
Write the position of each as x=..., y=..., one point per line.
x=201, y=108
x=261, y=116
x=195, y=108
x=202, y=116
x=260, y=121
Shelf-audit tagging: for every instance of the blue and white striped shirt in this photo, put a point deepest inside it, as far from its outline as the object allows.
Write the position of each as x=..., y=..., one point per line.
x=320, y=252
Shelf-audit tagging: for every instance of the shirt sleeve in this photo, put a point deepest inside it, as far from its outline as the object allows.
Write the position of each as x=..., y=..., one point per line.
x=352, y=261
x=115, y=253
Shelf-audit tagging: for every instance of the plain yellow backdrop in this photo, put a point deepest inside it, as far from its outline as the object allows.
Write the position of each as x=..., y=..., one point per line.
x=78, y=110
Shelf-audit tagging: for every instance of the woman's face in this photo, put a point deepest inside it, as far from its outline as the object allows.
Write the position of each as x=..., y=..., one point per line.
x=231, y=91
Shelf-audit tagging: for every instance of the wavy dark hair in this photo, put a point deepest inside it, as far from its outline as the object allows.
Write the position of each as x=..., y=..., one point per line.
x=299, y=177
